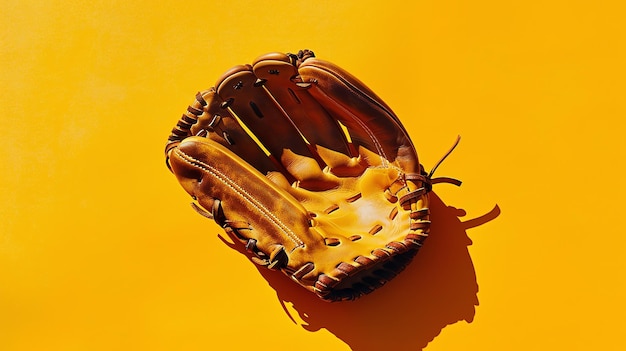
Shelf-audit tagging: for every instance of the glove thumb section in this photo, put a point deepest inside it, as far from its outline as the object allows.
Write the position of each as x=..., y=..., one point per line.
x=208, y=172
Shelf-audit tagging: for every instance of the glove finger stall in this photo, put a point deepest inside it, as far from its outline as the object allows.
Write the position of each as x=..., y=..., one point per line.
x=254, y=107
x=281, y=78
x=370, y=122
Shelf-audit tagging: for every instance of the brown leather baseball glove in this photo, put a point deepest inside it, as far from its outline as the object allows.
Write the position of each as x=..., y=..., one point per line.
x=313, y=172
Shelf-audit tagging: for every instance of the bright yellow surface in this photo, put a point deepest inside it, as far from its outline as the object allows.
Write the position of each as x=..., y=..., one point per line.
x=99, y=249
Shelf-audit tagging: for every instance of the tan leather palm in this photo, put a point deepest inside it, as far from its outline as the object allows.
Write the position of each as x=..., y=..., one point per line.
x=307, y=167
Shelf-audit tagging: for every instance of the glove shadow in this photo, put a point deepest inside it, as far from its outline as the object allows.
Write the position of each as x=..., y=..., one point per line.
x=437, y=289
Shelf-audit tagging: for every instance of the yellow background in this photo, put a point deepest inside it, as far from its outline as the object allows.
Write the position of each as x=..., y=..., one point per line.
x=99, y=249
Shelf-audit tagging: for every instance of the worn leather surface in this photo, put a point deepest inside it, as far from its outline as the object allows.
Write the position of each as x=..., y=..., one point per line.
x=309, y=168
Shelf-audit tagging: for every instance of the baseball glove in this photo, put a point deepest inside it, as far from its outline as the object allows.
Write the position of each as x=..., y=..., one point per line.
x=309, y=169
